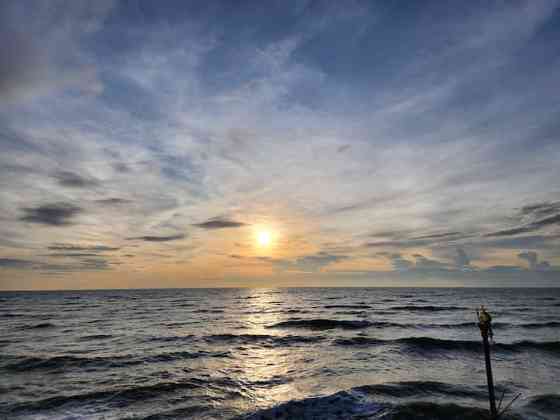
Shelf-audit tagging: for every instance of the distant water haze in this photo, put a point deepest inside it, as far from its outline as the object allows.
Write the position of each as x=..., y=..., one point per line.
x=266, y=353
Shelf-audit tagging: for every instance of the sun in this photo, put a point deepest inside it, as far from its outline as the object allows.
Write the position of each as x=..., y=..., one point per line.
x=264, y=238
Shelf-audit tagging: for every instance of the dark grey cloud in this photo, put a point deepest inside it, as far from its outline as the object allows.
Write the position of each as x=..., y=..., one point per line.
x=530, y=227
x=83, y=264
x=519, y=242
x=121, y=167
x=114, y=201
x=74, y=180
x=510, y=232
x=541, y=210
x=72, y=255
x=15, y=263
x=53, y=214
x=149, y=238
x=343, y=148
x=219, y=223
x=443, y=235
x=71, y=248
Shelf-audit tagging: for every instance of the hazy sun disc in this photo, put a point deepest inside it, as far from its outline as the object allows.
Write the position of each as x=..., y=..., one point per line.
x=264, y=238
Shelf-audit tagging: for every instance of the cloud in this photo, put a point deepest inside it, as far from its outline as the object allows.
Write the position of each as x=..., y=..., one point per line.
x=92, y=248
x=42, y=50
x=70, y=254
x=420, y=263
x=149, y=238
x=307, y=263
x=424, y=263
x=54, y=214
x=279, y=132
x=115, y=201
x=343, y=148
x=532, y=259
x=121, y=167
x=219, y=223
x=15, y=263
x=540, y=210
x=400, y=263
x=415, y=241
x=83, y=264
x=462, y=260
x=444, y=235
x=74, y=180
x=530, y=227
x=537, y=216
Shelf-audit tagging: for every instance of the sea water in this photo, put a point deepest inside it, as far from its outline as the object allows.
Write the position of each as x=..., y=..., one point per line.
x=324, y=353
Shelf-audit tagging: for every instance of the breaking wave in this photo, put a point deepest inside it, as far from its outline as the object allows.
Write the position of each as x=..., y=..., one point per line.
x=357, y=403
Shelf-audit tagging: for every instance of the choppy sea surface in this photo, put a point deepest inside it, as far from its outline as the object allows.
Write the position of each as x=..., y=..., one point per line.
x=322, y=353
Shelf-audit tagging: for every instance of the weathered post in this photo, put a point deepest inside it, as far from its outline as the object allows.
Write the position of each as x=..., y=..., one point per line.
x=485, y=325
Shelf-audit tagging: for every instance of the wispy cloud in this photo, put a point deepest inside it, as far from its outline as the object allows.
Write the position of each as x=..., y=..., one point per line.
x=139, y=130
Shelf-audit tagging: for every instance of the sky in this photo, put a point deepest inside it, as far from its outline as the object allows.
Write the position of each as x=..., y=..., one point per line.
x=307, y=143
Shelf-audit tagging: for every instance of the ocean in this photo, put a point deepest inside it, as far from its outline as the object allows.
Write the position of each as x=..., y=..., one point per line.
x=317, y=353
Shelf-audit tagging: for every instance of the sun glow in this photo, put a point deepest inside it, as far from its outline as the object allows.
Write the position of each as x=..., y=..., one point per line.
x=264, y=238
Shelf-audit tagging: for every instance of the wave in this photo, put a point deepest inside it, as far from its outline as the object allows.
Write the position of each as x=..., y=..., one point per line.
x=359, y=306
x=426, y=308
x=551, y=324
x=416, y=388
x=208, y=311
x=171, y=338
x=95, y=337
x=11, y=315
x=434, y=411
x=322, y=324
x=549, y=403
x=435, y=344
x=41, y=326
x=182, y=355
x=263, y=339
x=116, y=395
x=328, y=324
x=358, y=403
x=28, y=363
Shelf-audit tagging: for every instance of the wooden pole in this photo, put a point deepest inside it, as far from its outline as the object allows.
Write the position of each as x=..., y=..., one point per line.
x=489, y=377
x=485, y=326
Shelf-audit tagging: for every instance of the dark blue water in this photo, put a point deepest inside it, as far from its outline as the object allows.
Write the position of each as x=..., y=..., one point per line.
x=285, y=353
